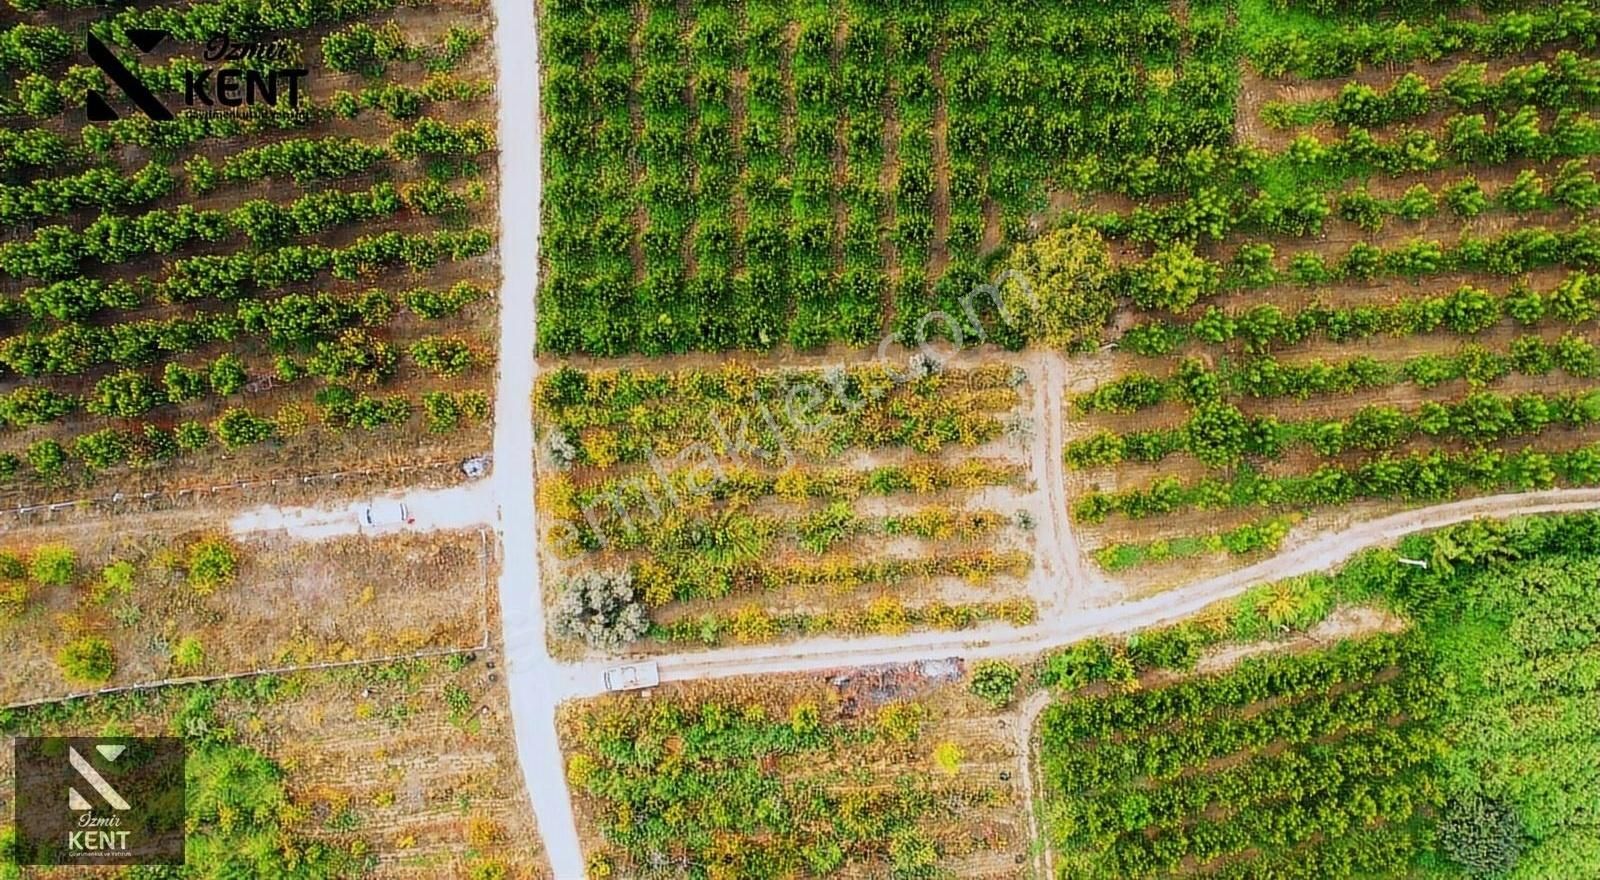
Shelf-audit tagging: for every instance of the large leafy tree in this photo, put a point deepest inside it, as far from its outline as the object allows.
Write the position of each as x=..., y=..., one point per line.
x=1056, y=289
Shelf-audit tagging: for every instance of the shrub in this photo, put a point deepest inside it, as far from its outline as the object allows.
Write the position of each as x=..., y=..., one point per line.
x=228, y=375
x=947, y=756
x=88, y=660
x=996, y=682
x=47, y=458
x=901, y=722
x=239, y=427
x=189, y=655
x=54, y=566
x=442, y=355
x=602, y=609
x=1481, y=835
x=117, y=579
x=212, y=563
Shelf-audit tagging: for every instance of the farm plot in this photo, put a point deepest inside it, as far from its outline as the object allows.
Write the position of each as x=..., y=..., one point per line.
x=870, y=773
x=753, y=174
x=1383, y=293
x=1291, y=766
x=83, y=609
x=705, y=506
x=1460, y=746
x=270, y=290
x=328, y=774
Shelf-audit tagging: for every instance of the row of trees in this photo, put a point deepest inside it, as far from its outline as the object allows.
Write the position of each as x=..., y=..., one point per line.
x=1422, y=476
x=1176, y=277
x=55, y=252
x=1341, y=49
x=1567, y=80
x=74, y=349
x=152, y=445
x=1219, y=435
x=1468, y=311
x=1267, y=378
x=354, y=356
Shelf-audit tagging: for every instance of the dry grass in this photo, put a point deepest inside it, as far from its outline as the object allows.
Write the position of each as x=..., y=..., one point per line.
x=429, y=790
x=292, y=603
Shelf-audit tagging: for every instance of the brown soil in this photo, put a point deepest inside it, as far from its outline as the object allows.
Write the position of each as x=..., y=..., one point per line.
x=292, y=603
x=433, y=793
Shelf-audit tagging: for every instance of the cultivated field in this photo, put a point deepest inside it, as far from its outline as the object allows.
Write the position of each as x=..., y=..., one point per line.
x=402, y=770
x=868, y=773
x=1443, y=731
x=1381, y=295
x=300, y=291
x=738, y=505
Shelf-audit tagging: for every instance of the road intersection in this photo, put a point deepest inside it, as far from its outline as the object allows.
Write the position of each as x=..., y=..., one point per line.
x=538, y=682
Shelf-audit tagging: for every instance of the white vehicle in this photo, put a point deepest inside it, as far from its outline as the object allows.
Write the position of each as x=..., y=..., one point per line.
x=385, y=513
x=634, y=677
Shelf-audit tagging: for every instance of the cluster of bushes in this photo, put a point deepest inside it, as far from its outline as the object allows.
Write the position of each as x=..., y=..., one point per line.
x=1241, y=540
x=205, y=565
x=885, y=615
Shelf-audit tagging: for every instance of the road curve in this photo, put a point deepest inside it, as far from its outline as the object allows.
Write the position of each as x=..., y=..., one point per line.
x=529, y=670
x=1317, y=554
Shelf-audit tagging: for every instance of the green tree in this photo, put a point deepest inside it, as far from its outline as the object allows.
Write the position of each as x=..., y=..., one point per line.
x=182, y=384
x=996, y=682
x=88, y=660
x=53, y=565
x=603, y=609
x=228, y=375
x=1217, y=434
x=239, y=427
x=1481, y=835
x=1174, y=278
x=1056, y=290
x=47, y=458
x=443, y=355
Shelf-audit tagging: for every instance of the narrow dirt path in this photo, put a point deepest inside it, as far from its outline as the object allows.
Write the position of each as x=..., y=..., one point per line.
x=458, y=507
x=1319, y=554
x=1044, y=858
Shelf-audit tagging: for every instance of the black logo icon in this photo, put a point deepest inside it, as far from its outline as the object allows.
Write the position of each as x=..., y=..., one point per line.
x=99, y=109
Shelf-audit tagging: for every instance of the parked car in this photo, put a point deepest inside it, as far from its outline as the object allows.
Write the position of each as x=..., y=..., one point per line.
x=633, y=677
x=385, y=513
